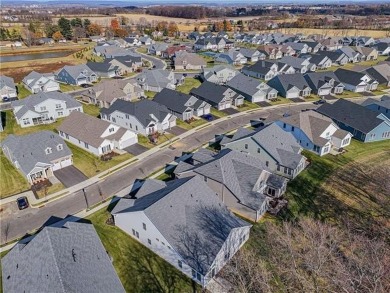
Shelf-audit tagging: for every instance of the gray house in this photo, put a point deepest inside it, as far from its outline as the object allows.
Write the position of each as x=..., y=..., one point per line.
x=291, y=85
x=321, y=61
x=156, y=79
x=104, y=69
x=353, y=56
x=182, y=105
x=356, y=81
x=7, y=87
x=337, y=57
x=241, y=181
x=38, y=154
x=157, y=48
x=184, y=222
x=278, y=150
x=66, y=258
x=379, y=106
x=219, y=74
x=252, y=55
x=76, y=74
x=262, y=69
x=324, y=83
x=145, y=117
x=381, y=73
x=251, y=88
x=44, y=108
x=41, y=82
x=218, y=96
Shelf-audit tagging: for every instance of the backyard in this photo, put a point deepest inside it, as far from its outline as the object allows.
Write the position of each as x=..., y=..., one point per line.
x=188, y=85
x=22, y=91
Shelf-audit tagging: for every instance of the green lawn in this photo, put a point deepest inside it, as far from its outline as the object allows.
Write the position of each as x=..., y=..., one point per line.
x=143, y=140
x=50, y=190
x=217, y=113
x=192, y=124
x=280, y=101
x=22, y=91
x=11, y=180
x=142, y=50
x=188, y=85
x=68, y=87
x=248, y=106
x=91, y=109
x=91, y=165
x=11, y=127
x=150, y=95
x=312, y=98
x=349, y=94
x=139, y=269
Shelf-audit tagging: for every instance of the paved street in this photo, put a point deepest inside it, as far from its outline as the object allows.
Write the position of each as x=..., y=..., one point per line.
x=15, y=223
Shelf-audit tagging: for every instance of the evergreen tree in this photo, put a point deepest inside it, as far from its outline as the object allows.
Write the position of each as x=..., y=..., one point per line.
x=65, y=28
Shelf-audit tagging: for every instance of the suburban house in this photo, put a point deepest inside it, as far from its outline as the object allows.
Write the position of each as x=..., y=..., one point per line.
x=231, y=57
x=365, y=124
x=262, y=69
x=270, y=51
x=331, y=44
x=290, y=85
x=185, y=223
x=132, y=42
x=145, y=117
x=338, y=58
x=188, y=61
x=108, y=91
x=367, y=53
x=363, y=41
x=315, y=132
x=146, y=40
x=315, y=46
x=157, y=48
x=182, y=105
x=241, y=181
x=213, y=43
x=252, y=55
x=301, y=65
x=65, y=257
x=7, y=87
x=380, y=106
x=76, y=75
x=353, y=56
x=278, y=150
x=44, y=108
x=218, y=96
x=156, y=79
x=320, y=61
x=95, y=136
x=383, y=48
x=324, y=83
x=299, y=48
x=171, y=51
x=104, y=69
x=381, y=73
x=251, y=88
x=37, y=154
x=219, y=74
x=125, y=64
x=40, y=82
x=356, y=81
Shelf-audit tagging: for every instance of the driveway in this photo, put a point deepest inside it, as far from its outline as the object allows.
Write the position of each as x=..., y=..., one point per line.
x=70, y=176
x=297, y=100
x=330, y=98
x=230, y=111
x=176, y=130
x=263, y=104
x=136, y=149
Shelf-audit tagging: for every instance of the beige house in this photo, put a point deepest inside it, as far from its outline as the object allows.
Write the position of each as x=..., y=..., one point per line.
x=367, y=53
x=190, y=61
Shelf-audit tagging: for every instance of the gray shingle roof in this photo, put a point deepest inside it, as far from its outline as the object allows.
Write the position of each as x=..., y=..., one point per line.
x=203, y=155
x=349, y=76
x=189, y=208
x=6, y=81
x=173, y=100
x=101, y=66
x=317, y=79
x=351, y=114
x=155, y=78
x=247, y=85
x=141, y=110
x=29, y=150
x=65, y=259
x=287, y=81
x=76, y=70
x=213, y=92
x=31, y=101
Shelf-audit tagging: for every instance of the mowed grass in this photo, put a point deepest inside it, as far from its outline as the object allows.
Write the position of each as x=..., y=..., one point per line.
x=145, y=141
x=188, y=85
x=139, y=269
x=217, y=113
x=69, y=87
x=22, y=91
x=91, y=110
x=318, y=192
x=90, y=164
x=280, y=101
x=247, y=106
x=190, y=125
x=11, y=180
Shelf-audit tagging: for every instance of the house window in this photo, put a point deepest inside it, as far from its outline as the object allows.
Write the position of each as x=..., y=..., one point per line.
x=86, y=145
x=131, y=126
x=292, y=128
x=127, y=116
x=60, y=147
x=136, y=127
x=246, y=146
x=133, y=232
x=158, y=240
x=271, y=191
x=144, y=226
x=137, y=234
x=199, y=276
x=113, y=119
x=48, y=151
x=26, y=121
x=60, y=113
x=111, y=129
x=150, y=242
x=67, y=136
x=278, y=167
x=193, y=273
x=267, y=163
x=58, y=106
x=372, y=135
x=180, y=264
x=258, y=150
x=284, y=125
x=43, y=108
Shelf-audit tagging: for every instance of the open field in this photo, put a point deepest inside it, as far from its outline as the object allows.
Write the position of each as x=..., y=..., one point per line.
x=334, y=32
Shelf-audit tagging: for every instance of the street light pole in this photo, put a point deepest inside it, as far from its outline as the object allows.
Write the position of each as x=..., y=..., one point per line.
x=86, y=199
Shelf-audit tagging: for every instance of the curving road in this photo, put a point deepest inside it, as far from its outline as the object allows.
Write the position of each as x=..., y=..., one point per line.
x=15, y=223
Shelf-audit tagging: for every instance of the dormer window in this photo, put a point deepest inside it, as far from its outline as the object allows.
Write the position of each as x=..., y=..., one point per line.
x=58, y=106
x=111, y=129
x=60, y=147
x=48, y=151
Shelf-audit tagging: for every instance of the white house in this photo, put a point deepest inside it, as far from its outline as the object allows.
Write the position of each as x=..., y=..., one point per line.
x=315, y=132
x=37, y=154
x=95, y=136
x=44, y=108
x=37, y=82
x=7, y=87
x=145, y=117
x=185, y=223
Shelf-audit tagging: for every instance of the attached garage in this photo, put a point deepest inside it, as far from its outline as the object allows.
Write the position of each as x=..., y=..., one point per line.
x=65, y=162
x=128, y=142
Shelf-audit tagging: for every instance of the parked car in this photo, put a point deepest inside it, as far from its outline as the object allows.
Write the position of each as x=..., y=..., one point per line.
x=208, y=117
x=5, y=99
x=319, y=102
x=22, y=203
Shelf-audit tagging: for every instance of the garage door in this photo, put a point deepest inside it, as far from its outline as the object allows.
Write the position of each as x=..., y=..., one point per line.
x=62, y=164
x=128, y=142
x=200, y=112
x=228, y=105
x=291, y=95
x=172, y=123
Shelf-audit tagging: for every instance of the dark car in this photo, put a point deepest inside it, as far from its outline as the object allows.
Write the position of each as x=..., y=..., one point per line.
x=22, y=203
x=86, y=85
x=208, y=117
x=319, y=102
x=5, y=99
